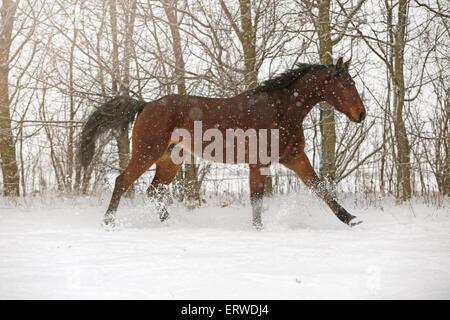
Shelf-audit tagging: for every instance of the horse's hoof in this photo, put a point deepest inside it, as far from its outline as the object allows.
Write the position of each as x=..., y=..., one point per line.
x=163, y=216
x=109, y=226
x=109, y=223
x=258, y=226
x=354, y=222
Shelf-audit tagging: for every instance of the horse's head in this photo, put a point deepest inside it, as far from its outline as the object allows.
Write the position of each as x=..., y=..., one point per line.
x=340, y=92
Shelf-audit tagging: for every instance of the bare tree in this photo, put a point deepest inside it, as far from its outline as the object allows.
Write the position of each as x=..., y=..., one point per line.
x=9, y=167
x=330, y=29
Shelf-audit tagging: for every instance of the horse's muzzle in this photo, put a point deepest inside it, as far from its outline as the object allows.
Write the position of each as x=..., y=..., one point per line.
x=361, y=117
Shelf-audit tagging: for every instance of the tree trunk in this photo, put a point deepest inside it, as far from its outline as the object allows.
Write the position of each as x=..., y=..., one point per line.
x=447, y=145
x=130, y=21
x=190, y=182
x=387, y=111
x=71, y=133
x=122, y=139
x=401, y=138
x=8, y=162
x=115, y=48
x=248, y=42
x=248, y=39
x=327, y=122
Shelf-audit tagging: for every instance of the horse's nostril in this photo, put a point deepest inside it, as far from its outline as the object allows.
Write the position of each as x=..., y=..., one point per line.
x=362, y=116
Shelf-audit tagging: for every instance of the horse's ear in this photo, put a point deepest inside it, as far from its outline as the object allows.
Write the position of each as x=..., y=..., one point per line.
x=339, y=63
x=347, y=64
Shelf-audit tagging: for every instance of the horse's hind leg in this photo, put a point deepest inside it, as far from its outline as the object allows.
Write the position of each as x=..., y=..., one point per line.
x=136, y=167
x=146, y=150
x=166, y=170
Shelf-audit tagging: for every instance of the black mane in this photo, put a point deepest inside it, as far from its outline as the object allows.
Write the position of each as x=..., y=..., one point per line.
x=285, y=79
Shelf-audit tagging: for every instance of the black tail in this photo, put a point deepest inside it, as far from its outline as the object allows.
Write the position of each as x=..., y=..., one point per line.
x=116, y=114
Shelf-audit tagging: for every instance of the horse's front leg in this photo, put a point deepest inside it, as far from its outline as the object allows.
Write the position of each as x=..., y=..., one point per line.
x=257, y=184
x=303, y=168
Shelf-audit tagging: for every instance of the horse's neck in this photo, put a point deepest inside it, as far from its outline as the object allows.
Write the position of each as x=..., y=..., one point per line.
x=296, y=102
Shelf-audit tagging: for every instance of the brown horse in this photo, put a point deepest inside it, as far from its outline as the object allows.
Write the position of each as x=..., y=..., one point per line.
x=281, y=103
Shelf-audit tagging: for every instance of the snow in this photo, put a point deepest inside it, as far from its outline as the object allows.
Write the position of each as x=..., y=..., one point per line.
x=55, y=248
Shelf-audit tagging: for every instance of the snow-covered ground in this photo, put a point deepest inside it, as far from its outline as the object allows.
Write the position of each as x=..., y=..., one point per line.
x=55, y=248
